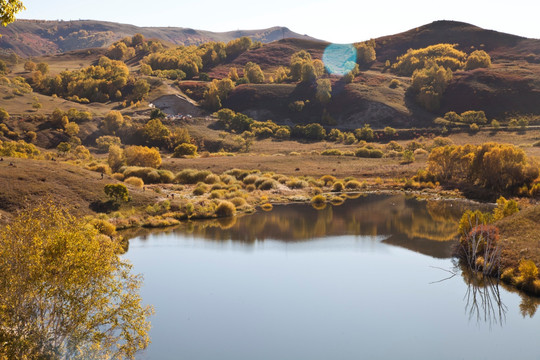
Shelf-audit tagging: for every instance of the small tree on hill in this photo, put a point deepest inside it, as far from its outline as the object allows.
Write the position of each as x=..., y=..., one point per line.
x=117, y=192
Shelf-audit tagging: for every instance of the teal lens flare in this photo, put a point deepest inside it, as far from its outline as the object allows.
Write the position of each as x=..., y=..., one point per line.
x=339, y=59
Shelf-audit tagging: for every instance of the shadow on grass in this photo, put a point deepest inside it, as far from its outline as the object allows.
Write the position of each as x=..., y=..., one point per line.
x=104, y=206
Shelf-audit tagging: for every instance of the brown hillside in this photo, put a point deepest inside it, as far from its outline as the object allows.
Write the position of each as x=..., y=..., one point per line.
x=40, y=37
x=504, y=88
x=272, y=55
x=467, y=36
x=31, y=181
x=520, y=232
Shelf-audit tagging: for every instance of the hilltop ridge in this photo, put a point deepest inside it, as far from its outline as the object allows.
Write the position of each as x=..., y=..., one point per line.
x=45, y=37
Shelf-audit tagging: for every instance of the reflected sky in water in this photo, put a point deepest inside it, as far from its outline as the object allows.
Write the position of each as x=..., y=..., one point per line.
x=347, y=293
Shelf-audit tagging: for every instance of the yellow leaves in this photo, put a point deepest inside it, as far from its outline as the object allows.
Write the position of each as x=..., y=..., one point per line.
x=498, y=167
x=63, y=282
x=142, y=156
x=441, y=54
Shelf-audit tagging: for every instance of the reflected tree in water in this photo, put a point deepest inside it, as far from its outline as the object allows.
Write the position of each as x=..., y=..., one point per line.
x=483, y=298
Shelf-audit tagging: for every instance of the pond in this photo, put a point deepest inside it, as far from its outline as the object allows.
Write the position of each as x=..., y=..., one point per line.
x=370, y=279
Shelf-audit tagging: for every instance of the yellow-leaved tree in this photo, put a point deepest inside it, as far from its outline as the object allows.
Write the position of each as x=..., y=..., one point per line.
x=65, y=293
x=8, y=9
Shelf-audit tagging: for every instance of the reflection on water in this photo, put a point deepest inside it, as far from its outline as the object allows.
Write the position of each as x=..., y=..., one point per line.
x=427, y=227
x=483, y=298
x=340, y=282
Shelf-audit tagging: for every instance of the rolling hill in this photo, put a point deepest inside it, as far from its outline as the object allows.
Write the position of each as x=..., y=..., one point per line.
x=40, y=37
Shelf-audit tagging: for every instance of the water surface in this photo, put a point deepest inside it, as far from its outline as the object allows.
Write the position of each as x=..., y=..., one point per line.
x=360, y=280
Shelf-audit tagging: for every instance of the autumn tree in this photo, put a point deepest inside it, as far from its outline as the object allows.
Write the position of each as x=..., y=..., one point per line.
x=430, y=83
x=117, y=192
x=112, y=122
x=43, y=68
x=280, y=75
x=365, y=53
x=29, y=65
x=324, y=91
x=478, y=59
x=116, y=158
x=211, y=97
x=65, y=292
x=140, y=89
x=142, y=156
x=233, y=74
x=253, y=73
x=298, y=59
x=156, y=133
x=8, y=9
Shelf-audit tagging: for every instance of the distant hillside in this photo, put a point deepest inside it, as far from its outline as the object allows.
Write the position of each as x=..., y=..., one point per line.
x=40, y=37
x=467, y=36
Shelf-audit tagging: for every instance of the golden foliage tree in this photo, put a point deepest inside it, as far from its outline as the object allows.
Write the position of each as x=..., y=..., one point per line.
x=142, y=156
x=8, y=9
x=324, y=91
x=253, y=73
x=65, y=292
x=478, y=59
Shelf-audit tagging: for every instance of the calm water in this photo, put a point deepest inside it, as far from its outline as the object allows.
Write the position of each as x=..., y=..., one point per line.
x=356, y=281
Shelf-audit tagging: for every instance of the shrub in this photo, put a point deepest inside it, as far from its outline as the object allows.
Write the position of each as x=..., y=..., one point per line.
x=505, y=208
x=337, y=186
x=212, y=179
x=238, y=201
x=250, y=179
x=185, y=149
x=134, y=181
x=498, y=167
x=407, y=157
x=4, y=115
x=362, y=152
x=100, y=168
x=508, y=275
x=148, y=175
x=478, y=59
x=117, y=192
x=201, y=189
x=166, y=176
x=268, y=184
x=191, y=176
x=296, y=184
x=528, y=271
x=105, y=142
x=118, y=176
x=394, y=83
x=333, y=152
x=393, y=145
x=353, y=185
x=225, y=208
x=328, y=179
x=376, y=153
